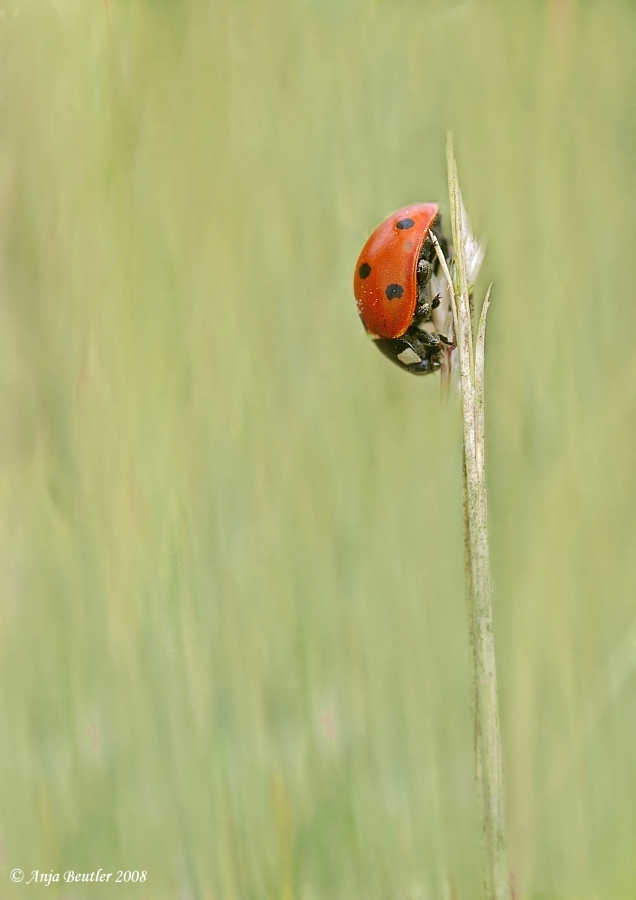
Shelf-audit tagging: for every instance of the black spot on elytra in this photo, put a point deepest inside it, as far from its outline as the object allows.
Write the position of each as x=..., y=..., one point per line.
x=394, y=291
x=365, y=270
x=437, y=299
x=404, y=224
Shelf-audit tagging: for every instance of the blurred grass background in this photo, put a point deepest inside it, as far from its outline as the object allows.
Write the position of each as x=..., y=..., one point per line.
x=232, y=636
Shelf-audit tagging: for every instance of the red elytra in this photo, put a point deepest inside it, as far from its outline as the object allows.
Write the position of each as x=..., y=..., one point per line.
x=385, y=280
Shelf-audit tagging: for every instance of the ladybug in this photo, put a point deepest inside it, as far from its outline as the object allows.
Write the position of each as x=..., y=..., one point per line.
x=401, y=295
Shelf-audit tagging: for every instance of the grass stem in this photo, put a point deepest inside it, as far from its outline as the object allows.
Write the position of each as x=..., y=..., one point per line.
x=488, y=764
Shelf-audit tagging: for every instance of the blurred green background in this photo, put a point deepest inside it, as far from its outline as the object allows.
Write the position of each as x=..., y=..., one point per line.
x=233, y=640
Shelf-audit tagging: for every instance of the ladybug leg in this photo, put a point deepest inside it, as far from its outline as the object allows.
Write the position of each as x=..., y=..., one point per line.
x=429, y=338
x=424, y=306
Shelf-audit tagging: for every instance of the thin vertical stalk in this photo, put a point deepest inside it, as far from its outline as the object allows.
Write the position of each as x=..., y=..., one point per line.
x=474, y=679
x=488, y=765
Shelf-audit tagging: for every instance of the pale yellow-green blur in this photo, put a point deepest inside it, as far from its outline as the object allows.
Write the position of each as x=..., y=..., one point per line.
x=232, y=634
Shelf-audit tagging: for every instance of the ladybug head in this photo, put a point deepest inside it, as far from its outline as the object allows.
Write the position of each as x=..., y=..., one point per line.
x=417, y=352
